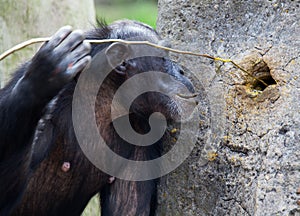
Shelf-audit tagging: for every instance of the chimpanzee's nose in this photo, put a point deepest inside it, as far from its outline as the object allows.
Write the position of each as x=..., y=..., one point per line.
x=179, y=73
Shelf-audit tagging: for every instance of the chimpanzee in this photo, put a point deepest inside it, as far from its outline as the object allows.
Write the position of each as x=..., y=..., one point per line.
x=22, y=104
x=63, y=179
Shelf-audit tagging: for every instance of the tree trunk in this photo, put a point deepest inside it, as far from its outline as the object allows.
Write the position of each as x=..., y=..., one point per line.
x=21, y=20
x=247, y=158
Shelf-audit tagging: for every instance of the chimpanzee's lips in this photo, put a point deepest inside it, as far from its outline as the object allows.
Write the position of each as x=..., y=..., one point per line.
x=187, y=96
x=186, y=105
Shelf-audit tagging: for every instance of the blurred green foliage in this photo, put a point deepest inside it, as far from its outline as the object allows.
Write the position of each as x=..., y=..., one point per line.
x=93, y=207
x=140, y=10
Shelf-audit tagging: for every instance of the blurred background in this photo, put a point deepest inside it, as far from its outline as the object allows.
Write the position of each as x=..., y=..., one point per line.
x=140, y=10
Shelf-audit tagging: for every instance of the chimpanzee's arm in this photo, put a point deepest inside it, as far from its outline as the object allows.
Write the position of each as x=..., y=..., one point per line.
x=129, y=198
x=22, y=103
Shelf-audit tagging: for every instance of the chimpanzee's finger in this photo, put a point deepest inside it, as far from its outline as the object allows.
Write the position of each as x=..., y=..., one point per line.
x=59, y=36
x=81, y=50
x=78, y=66
x=70, y=42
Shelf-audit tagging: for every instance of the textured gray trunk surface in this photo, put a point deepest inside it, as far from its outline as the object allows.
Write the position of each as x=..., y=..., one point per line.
x=247, y=158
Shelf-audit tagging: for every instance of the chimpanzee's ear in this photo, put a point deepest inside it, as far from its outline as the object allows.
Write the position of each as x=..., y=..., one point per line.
x=116, y=54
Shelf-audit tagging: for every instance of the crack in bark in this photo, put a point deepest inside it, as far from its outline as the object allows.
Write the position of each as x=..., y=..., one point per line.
x=239, y=203
x=265, y=51
x=236, y=148
x=292, y=59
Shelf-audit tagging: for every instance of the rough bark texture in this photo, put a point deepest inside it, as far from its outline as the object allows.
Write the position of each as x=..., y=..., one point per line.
x=22, y=20
x=247, y=159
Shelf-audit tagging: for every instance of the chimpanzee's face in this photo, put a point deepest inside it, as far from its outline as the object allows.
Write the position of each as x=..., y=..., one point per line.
x=155, y=80
x=169, y=83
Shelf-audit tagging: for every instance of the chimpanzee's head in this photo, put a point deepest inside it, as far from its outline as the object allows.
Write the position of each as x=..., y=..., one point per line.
x=156, y=71
x=140, y=88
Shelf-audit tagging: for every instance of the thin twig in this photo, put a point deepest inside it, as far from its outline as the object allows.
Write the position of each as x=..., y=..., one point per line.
x=40, y=40
x=21, y=46
x=242, y=69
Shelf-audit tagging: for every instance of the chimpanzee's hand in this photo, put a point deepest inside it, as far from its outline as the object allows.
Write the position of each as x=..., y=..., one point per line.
x=57, y=62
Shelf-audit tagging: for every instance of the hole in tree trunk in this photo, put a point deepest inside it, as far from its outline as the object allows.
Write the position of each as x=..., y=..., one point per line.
x=261, y=71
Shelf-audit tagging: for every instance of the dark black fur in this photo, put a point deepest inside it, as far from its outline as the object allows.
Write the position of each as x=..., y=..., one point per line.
x=52, y=191
x=22, y=104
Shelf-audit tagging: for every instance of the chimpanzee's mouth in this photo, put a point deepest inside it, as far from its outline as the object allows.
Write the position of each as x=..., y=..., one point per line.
x=187, y=96
x=186, y=104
